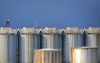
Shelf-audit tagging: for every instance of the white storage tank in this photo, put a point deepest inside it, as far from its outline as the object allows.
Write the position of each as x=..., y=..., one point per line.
x=28, y=41
x=47, y=56
x=8, y=45
x=26, y=46
x=84, y=55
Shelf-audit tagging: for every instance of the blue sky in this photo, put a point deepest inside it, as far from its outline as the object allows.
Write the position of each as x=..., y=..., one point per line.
x=50, y=13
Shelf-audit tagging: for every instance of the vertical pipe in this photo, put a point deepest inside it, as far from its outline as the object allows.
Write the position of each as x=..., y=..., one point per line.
x=49, y=41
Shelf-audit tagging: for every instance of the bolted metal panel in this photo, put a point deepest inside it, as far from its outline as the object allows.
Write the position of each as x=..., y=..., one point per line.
x=8, y=48
x=26, y=47
x=84, y=55
x=51, y=41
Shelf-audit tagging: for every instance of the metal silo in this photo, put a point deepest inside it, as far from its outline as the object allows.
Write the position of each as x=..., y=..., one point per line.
x=93, y=39
x=84, y=55
x=13, y=48
x=43, y=41
x=80, y=38
x=50, y=38
x=36, y=38
x=65, y=48
x=8, y=47
x=69, y=40
x=72, y=38
x=57, y=40
x=26, y=45
x=4, y=48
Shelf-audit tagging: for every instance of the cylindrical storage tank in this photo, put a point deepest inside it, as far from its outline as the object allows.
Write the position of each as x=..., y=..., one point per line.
x=65, y=48
x=43, y=41
x=36, y=38
x=73, y=40
x=8, y=48
x=76, y=40
x=80, y=40
x=51, y=40
x=91, y=40
x=26, y=47
x=84, y=55
x=70, y=41
x=47, y=56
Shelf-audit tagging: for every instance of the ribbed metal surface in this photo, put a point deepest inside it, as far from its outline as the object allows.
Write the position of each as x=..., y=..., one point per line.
x=26, y=47
x=80, y=40
x=36, y=38
x=65, y=48
x=8, y=48
x=12, y=48
x=70, y=41
x=51, y=41
x=47, y=56
x=84, y=55
x=74, y=40
x=91, y=40
x=43, y=41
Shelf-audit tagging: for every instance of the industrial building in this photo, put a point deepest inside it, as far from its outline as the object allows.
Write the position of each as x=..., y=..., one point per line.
x=26, y=40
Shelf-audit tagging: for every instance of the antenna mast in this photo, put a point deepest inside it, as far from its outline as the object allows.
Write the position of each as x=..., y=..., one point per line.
x=36, y=26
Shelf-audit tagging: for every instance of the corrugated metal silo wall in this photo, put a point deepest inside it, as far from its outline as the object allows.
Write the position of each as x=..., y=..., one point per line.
x=51, y=41
x=84, y=55
x=70, y=41
x=66, y=48
x=43, y=41
x=36, y=36
x=26, y=47
x=13, y=48
x=8, y=48
x=93, y=40
x=47, y=56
